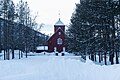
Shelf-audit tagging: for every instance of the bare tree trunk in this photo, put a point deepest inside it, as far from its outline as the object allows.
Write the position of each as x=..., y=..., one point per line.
x=99, y=57
x=89, y=57
x=117, y=61
x=19, y=54
x=4, y=54
x=112, y=58
x=105, y=58
x=95, y=56
x=113, y=34
x=26, y=54
x=0, y=40
x=92, y=56
x=13, y=56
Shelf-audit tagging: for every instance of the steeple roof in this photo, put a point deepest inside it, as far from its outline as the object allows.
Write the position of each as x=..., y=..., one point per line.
x=59, y=23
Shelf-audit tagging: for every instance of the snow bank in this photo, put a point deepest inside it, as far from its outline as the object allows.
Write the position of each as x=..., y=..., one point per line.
x=56, y=68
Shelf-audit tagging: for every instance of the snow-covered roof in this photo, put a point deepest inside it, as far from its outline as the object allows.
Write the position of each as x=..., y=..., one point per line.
x=59, y=23
x=42, y=48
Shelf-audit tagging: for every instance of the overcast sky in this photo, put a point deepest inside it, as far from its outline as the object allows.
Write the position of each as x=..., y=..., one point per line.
x=48, y=11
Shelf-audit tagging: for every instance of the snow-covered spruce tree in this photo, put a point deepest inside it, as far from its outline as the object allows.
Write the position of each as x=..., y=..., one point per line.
x=24, y=20
x=117, y=17
x=28, y=38
x=11, y=18
x=34, y=26
x=4, y=15
x=27, y=29
x=92, y=29
x=102, y=28
x=114, y=17
x=77, y=33
x=0, y=29
x=26, y=33
x=113, y=20
x=7, y=13
x=20, y=10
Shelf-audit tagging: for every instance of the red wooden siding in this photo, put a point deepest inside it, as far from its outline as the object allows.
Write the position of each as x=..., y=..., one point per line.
x=59, y=32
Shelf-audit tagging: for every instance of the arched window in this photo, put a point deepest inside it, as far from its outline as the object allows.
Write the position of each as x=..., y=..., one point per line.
x=59, y=33
x=59, y=41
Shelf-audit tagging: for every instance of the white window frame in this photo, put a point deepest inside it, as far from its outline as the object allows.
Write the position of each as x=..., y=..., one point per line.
x=59, y=41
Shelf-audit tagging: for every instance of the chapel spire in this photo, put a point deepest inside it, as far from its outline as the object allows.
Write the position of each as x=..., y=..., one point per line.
x=59, y=14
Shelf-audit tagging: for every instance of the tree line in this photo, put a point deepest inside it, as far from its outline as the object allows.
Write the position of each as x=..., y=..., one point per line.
x=18, y=29
x=95, y=30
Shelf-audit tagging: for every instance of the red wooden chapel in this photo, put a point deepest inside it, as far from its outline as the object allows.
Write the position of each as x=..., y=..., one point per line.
x=57, y=41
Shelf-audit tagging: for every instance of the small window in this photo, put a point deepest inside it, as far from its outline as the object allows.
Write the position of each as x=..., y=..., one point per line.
x=59, y=41
x=59, y=33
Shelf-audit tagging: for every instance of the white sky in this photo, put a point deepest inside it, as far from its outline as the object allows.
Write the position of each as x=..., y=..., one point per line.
x=48, y=12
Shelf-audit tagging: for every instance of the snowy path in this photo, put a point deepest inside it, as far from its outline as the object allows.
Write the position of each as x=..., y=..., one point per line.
x=56, y=68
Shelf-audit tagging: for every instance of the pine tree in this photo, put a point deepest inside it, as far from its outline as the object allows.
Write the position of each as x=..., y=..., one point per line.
x=11, y=18
x=6, y=45
x=93, y=29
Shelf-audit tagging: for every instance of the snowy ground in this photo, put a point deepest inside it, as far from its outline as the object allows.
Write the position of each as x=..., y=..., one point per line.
x=50, y=67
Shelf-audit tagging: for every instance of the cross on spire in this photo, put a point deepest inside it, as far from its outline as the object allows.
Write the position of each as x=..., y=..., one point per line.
x=59, y=14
